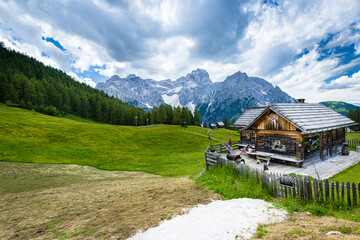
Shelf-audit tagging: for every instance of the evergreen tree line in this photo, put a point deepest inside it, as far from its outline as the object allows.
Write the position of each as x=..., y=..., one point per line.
x=27, y=83
x=178, y=116
x=354, y=114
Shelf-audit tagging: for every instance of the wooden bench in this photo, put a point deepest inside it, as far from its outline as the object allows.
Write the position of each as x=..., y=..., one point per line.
x=287, y=159
x=261, y=156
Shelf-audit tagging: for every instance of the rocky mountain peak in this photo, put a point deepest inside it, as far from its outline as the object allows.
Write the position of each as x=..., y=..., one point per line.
x=114, y=78
x=195, y=90
x=198, y=77
x=131, y=76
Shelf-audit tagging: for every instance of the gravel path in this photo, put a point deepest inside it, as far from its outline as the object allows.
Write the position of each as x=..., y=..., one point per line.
x=231, y=219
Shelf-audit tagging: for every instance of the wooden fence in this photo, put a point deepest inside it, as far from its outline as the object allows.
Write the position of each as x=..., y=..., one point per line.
x=282, y=185
x=353, y=142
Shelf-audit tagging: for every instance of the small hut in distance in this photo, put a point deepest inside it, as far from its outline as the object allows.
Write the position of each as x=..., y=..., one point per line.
x=220, y=125
x=295, y=130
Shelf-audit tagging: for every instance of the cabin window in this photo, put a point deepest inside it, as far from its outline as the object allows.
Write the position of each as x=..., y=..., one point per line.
x=279, y=145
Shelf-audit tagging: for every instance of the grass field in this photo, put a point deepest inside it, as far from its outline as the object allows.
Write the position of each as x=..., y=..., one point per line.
x=58, y=201
x=350, y=174
x=353, y=135
x=167, y=150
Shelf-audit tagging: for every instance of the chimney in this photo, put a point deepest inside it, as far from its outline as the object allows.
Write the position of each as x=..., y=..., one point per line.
x=300, y=100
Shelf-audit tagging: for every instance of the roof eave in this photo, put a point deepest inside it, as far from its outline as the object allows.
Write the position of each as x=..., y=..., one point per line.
x=328, y=129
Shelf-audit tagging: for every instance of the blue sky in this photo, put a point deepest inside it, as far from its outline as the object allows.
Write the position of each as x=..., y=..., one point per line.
x=310, y=49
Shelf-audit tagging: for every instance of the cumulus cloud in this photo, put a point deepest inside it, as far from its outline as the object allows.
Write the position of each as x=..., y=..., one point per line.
x=301, y=46
x=85, y=80
x=343, y=82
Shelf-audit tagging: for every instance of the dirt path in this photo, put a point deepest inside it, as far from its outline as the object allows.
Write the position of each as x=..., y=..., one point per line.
x=305, y=226
x=77, y=202
x=219, y=220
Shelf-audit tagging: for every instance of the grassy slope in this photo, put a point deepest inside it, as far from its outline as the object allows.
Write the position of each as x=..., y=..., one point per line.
x=27, y=136
x=350, y=174
x=340, y=107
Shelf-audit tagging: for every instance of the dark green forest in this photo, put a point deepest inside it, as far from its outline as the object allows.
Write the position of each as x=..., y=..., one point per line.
x=340, y=107
x=354, y=115
x=347, y=109
x=28, y=83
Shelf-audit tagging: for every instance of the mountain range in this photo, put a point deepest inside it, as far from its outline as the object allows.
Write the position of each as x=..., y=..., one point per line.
x=214, y=100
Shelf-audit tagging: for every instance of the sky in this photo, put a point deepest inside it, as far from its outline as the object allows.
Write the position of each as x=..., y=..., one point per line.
x=310, y=49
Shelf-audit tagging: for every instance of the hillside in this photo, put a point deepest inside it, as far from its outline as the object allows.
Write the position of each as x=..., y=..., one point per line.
x=28, y=136
x=28, y=83
x=340, y=107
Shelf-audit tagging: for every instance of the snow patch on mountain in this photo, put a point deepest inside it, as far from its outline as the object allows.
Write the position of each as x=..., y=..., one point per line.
x=197, y=92
x=175, y=90
x=172, y=100
x=191, y=106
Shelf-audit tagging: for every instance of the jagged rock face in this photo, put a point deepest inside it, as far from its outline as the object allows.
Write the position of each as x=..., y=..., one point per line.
x=196, y=91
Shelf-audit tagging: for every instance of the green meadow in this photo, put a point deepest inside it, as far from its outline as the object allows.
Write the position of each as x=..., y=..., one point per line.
x=350, y=174
x=167, y=150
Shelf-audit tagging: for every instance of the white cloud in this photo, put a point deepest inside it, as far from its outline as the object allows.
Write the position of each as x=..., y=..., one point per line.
x=343, y=82
x=167, y=39
x=87, y=81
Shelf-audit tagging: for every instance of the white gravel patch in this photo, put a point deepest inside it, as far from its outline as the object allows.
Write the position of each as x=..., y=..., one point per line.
x=231, y=219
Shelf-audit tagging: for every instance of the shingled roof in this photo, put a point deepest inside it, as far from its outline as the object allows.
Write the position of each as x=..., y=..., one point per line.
x=248, y=116
x=308, y=117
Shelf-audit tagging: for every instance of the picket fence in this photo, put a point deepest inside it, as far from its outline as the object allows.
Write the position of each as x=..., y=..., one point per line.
x=283, y=185
x=353, y=142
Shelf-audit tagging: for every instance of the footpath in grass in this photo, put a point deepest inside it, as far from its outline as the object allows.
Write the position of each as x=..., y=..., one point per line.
x=327, y=216
x=167, y=150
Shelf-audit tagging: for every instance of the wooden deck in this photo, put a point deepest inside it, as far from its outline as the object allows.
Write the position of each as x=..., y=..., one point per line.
x=270, y=158
x=325, y=169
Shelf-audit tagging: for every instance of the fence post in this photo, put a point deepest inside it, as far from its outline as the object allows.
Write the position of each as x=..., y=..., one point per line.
x=316, y=193
x=206, y=164
x=272, y=182
x=342, y=191
x=281, y=176
x=309, y=188
x=298, y=186
x=354, y=194
x=326, y=190
x=306, y=187
x=302, y=195
x=218, y=160
x=275, y=185
x=337, y=191
x=348, y=193
x=359, y=190
x=332, y=190
x=321, y=191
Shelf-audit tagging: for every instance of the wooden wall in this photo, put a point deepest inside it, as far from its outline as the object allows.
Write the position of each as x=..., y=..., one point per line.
x=272, y=126
x=272, y=121
x=291, y=136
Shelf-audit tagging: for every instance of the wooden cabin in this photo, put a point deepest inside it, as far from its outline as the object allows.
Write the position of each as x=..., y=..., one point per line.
x=299, y=130
x=220, y=125
x=213, y=126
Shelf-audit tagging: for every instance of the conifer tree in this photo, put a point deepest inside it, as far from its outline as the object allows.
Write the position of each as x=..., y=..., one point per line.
x=161, y=114
x=197, y=120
